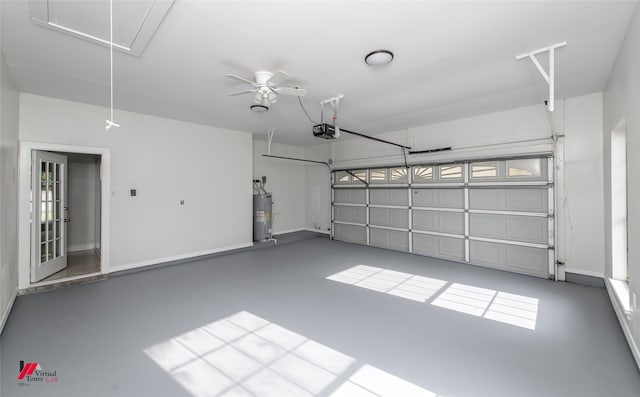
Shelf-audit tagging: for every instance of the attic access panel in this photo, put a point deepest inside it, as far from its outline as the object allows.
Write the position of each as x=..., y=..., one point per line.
x=134, y=22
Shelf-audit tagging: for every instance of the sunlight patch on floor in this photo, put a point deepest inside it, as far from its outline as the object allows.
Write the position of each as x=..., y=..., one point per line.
x=404, y=285
x=245, y=355
x=513, y=309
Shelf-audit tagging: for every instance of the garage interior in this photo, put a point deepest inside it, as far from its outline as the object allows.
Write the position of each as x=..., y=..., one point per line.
x=319, y=198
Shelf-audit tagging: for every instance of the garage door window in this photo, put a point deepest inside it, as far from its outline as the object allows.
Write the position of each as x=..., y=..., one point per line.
x=451, y=172
x=399, y=175
x=422, y=174
x=379, y=175
x=484, y=170
x=524, y=168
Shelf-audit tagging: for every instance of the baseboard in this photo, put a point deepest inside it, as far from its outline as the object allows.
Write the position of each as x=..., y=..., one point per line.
x=584, y=272
x=7, y=311
x=80, y=247
x=624, y=322
x=288, y=231
x=151, y=262
x=317, y=230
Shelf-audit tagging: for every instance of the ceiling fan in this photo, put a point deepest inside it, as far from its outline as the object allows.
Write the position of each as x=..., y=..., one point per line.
x=266, y=88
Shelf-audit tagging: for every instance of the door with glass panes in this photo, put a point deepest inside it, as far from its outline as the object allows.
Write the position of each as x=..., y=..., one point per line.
x=48, y=210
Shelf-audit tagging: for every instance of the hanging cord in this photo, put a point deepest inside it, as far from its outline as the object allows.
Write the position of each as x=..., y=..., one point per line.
x=305, y=111
x=110, y=122
x=404, y=154
x=270, y=138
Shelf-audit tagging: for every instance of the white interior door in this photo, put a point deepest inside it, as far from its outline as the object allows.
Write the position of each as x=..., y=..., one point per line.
x=48, y=210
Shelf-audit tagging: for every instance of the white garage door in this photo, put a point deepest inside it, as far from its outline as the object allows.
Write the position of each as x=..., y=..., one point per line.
x=496, y=213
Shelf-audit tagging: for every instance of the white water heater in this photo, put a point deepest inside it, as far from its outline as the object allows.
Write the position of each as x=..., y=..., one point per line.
x=262, y=205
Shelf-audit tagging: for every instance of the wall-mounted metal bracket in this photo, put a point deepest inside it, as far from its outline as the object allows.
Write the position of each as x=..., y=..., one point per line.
x=549, y=77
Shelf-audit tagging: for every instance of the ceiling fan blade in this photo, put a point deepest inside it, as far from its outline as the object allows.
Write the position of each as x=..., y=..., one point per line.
x=233, y=76
x=241, y=92
x=278, y=78
x=291, y=91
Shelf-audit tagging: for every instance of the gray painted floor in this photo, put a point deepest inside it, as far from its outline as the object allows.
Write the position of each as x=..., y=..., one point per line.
x=268, y=322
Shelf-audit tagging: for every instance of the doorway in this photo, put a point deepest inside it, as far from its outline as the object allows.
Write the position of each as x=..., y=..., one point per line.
x=76, y=215
x=81, y=217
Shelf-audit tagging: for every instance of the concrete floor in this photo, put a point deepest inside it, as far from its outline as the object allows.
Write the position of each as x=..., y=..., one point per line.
x=270, y=323
x=78, y=263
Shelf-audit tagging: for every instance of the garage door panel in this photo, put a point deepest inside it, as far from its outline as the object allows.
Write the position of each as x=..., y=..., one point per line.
x=510, y=199
x=350, y=196
x=528, y=260
x=434, y=221
x=491, y=212
x=438, y=198
x=438, y=246
x=350, y=233
x=391, y=217
x=391, y=239
x=510, y=227
x=350, y=214
x=389, y=197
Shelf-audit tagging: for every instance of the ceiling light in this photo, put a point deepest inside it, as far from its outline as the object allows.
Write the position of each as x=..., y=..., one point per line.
x=379, y=58
x=258, y=108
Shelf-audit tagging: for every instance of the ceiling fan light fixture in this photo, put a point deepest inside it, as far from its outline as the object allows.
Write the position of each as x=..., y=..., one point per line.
x=259, y=108
x=379, y=58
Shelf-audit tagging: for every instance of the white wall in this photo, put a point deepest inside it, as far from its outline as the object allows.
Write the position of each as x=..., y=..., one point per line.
x=82, y=201
x=166, y=161
x=9, y=110
x=286, y=180
x=622, y=101
x=472, y=137
x=517, y=131
x=583, y=186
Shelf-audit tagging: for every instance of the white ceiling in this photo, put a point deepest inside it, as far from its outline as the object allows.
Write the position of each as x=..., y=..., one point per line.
x=452, y=59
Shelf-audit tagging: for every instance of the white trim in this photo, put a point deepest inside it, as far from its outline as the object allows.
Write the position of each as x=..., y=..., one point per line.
x=61, y=280
x=189, y=255
x=24, y=187
x=350, y=223
x=80, y=247
x=439, y=209
x=318, y=230
x=397, y=229
x=349, y=205
x=583, y=272
x=508, y=242
x=510, y=183
x=279, y=232
x=622, y=318
x=7, y=311
x=451, y=235
x=509, y=213
x=393, y=207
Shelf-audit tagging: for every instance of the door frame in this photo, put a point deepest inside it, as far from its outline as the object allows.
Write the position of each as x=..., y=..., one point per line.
x=24, y=188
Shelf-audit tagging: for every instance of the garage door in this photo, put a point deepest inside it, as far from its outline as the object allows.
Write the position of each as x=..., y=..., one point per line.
x=496, y=213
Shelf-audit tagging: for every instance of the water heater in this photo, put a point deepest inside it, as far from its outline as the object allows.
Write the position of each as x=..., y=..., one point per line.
x=262, y=204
